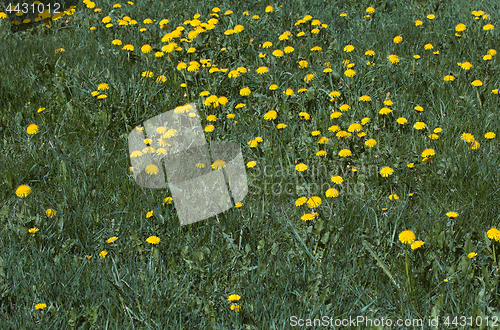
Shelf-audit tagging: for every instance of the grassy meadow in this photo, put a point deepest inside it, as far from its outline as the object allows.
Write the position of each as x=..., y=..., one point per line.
x=369, y=132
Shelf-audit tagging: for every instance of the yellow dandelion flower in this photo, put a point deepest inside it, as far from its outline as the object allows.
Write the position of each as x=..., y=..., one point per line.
x=332, y=193
x=301, y=167
x=460, y=27
x=493, y=233
x=489, y=135
x=350, y=73
x=40, y=306
x=267, y=44
x=393, y=58
x=385, y=111
x=128, y=47
x=415, y=245
x=253, y=143
x=397, y=39
x=337, y=179
x=111, y=239
x=348, y=48
x=345, y=153
x=233, y=298
x=452, y=215
x=32, y=129
x=354, y=128
x=467, y=137
x=262, y=70
x=238, y=28
x=23, y=191
x=153, y=240
x=251, y=164
x=308, y=217
x=344, y=107
x=428, y=153
x=474, y=145
x=323, y=140
x=300, y=201
x=51, y=213
x=407, y=237
x=270, y=115
x=386, y=171
x=146, y=48
x=103, y=87
x=33, y=230
x=393, y=196
x=218, y=164
x=321, y=153
x=309, y=77
x=419, y=125
x=370, y=143
x=245, y=91
x=152, y=169
x=278, y=53
x=335, y=115
x=314, y=201
x=304, y=115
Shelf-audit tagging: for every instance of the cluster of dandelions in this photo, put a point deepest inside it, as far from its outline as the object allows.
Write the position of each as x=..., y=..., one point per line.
x=234, y=298
x=407, y=237
x=314, y=202
x=472, y=142
x=153, y=240
x=24, y=191
x=195, y=27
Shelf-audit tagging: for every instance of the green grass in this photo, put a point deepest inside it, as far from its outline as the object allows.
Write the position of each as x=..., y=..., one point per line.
x=347, y=262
